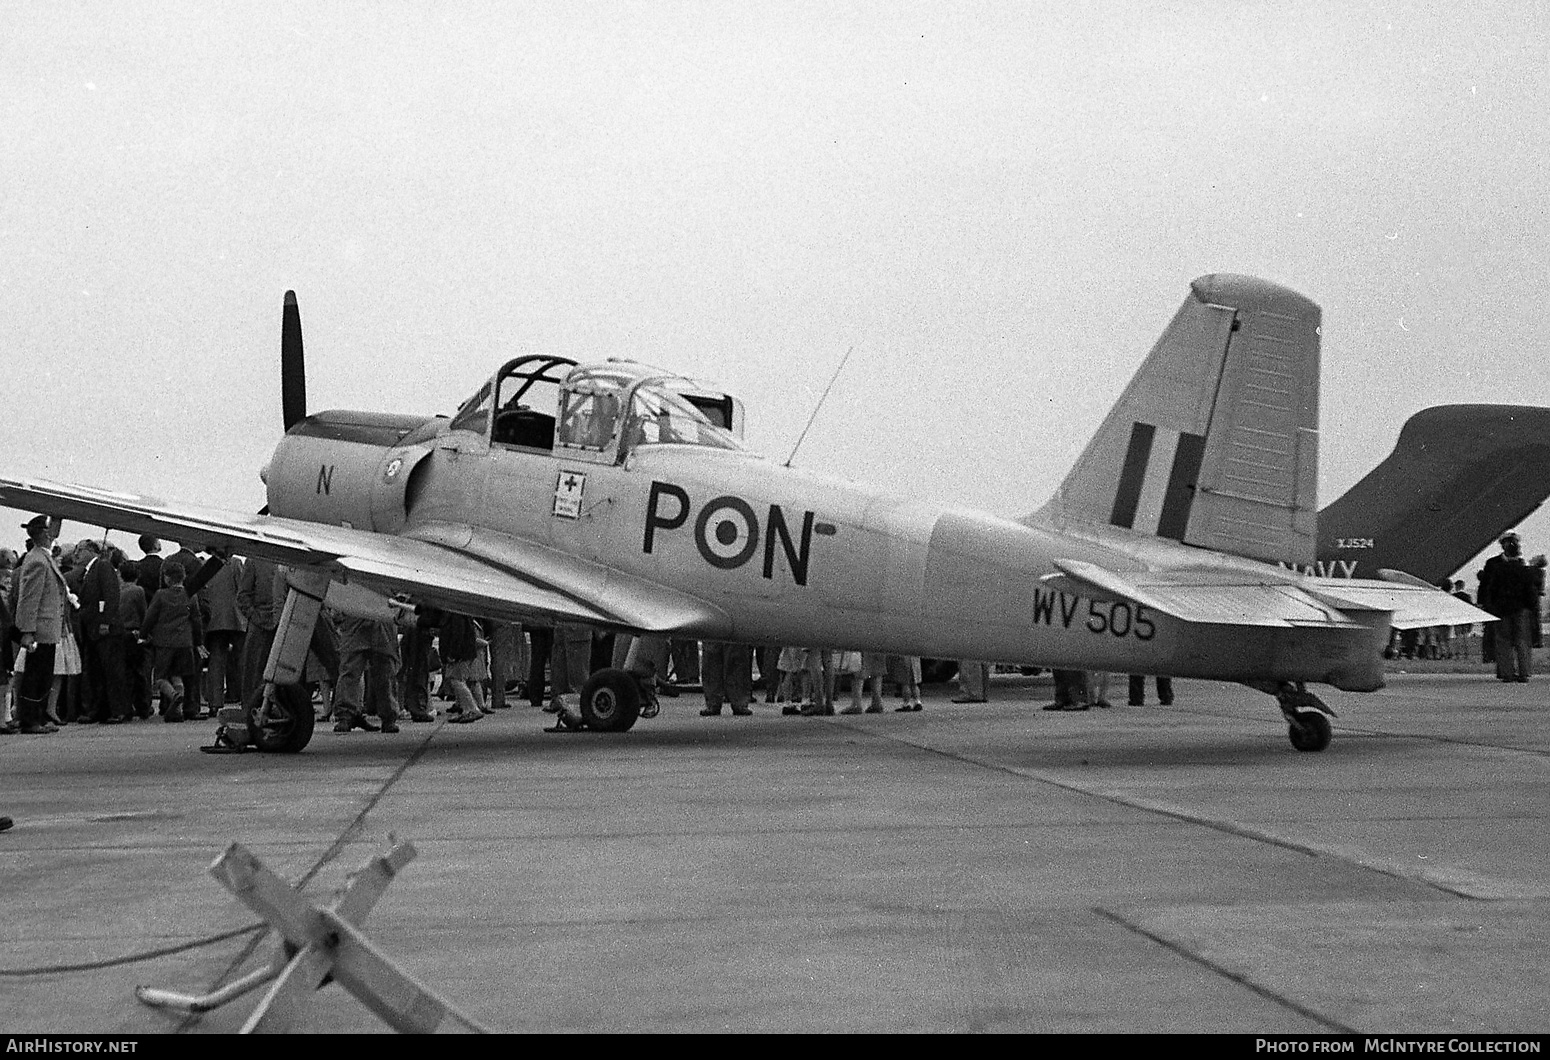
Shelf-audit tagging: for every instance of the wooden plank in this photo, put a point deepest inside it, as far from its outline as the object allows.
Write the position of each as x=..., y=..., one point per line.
x=366, y=886
x=393, y=995
x=267, y=895
x=283, y=1003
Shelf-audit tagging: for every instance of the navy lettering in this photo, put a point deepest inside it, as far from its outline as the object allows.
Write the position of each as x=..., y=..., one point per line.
x=325, y=478
x=1094, y=615
x=796, y=558
x=655, y=520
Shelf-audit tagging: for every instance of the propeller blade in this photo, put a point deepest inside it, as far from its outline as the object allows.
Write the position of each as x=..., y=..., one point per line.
x=293, y=369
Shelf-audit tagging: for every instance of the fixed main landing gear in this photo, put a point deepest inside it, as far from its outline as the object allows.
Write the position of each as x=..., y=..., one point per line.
x=1307, y=717
x=610, y=701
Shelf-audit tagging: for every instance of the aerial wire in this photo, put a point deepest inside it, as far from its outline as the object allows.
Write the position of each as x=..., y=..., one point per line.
x=821, y=398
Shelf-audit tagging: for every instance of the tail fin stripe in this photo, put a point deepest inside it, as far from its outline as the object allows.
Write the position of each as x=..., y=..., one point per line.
x=1154, y=491
x=1132, y=475
x=1181, y=486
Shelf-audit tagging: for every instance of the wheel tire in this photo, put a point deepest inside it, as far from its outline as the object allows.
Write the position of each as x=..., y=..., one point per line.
x=937, y=671
x=610, y=701
x=1310, y=732
x=288, y=726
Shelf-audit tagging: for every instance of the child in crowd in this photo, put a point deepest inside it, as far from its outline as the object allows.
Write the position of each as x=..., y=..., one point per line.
x=791, y=667
x=905, y=669
x=866, y=678
x=172, y=628
x=818, y=677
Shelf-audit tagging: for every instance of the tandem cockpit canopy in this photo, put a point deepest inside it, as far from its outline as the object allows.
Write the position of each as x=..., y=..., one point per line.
x=602, y=410
x=619, y=406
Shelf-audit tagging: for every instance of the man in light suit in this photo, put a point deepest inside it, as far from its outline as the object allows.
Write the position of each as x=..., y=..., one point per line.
x=103, y=643
x=40, y=613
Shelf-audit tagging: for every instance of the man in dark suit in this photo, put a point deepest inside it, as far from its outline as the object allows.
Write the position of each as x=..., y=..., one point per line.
x=148, y=577
x=255, y=600
x=102, y=628
x=149, y=569
x=223, y=628
x=1507, y=591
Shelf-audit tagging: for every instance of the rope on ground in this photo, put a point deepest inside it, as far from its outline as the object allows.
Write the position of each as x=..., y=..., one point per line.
x=132, y=958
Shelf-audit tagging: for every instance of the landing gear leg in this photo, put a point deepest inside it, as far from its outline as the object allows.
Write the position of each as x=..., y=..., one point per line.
x=1307, y=717
x=277, y=717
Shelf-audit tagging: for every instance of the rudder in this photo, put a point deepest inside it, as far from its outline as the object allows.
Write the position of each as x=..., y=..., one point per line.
x=1215, y=441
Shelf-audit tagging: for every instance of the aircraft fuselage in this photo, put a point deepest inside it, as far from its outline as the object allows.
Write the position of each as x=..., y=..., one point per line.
x=792, y=557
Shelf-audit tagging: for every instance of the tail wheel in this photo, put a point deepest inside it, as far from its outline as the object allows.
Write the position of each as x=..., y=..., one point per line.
x=610, y=701
x=284, y=724
x=1310, y=732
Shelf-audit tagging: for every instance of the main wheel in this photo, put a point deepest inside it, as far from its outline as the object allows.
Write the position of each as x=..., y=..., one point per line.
x=610, y=701
x=285, y=725
x=1310, y=732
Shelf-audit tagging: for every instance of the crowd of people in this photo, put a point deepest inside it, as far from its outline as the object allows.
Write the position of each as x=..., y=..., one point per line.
x=1510, y=587
x=94, y=637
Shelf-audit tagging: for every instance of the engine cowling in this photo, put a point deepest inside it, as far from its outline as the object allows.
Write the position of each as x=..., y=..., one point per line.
x=349, y=468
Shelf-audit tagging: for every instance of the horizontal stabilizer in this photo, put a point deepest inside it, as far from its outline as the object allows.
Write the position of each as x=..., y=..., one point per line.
x=1208, y=597
x=1273, y=597
x=1413, y=605
x=1404, y=578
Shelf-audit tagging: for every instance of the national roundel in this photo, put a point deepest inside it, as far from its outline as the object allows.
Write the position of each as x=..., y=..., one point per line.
x=727, y=532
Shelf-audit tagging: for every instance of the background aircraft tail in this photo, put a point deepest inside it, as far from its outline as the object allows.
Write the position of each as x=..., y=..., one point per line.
x=1215, y=441
x=1459, y=476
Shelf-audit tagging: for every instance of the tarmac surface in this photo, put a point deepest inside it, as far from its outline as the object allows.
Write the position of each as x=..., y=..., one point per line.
x=979, y=867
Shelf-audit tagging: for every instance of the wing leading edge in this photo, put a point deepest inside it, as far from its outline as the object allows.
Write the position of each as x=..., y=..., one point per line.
x=459, y=568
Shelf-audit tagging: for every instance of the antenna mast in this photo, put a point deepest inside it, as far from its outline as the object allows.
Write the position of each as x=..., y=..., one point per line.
x=822, y=397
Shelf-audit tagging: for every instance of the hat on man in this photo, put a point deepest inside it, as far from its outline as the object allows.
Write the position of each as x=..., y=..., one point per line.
x=36, y=523
x=1510, y=535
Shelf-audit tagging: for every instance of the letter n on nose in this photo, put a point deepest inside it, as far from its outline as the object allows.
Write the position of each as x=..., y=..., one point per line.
x=655, y=519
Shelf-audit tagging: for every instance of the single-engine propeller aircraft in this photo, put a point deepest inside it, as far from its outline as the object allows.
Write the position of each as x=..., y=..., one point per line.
x=618, y=495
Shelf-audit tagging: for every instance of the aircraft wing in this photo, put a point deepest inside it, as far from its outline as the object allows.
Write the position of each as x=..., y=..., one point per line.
x=459, y=569
x=1231, y=597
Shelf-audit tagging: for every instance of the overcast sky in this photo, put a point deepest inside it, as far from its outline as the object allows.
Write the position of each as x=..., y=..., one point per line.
x=998, y=205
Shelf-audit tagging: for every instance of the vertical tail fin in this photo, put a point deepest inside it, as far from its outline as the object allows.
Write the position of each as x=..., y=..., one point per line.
x=1215, y=441
x=1459, y=476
